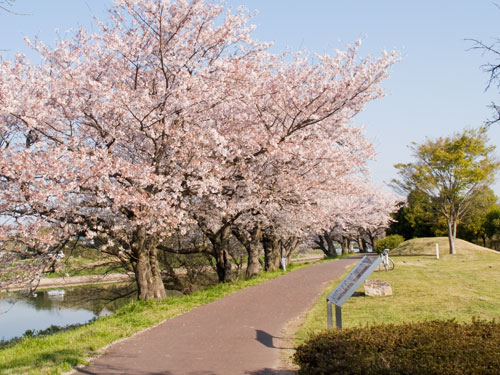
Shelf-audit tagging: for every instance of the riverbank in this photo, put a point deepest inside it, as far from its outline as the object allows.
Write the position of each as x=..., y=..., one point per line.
x=65, y=282
x=65, y=350
x=70, y=281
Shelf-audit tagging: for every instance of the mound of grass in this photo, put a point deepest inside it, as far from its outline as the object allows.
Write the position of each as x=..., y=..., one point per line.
x=427, y=246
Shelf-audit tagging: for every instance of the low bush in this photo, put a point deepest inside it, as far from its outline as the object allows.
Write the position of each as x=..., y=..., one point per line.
x=425, y=348
x=389, y=242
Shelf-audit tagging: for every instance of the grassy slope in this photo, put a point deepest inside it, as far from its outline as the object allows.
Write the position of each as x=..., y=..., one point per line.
x=62, y=351
x=458, y=287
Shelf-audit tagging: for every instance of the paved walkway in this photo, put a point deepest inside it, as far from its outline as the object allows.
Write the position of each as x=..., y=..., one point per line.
x=238, y=334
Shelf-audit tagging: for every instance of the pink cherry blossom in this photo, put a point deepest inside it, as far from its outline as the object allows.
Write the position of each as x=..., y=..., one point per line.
x=170, y=116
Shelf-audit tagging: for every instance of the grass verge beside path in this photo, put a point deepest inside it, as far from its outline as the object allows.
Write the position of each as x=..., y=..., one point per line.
x=460, y=287
x=65, y=350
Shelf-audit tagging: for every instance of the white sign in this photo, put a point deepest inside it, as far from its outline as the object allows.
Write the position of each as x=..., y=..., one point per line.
x=354, y=280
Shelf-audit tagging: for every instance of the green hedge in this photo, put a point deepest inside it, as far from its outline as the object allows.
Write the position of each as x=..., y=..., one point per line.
x=436, y=347
x=389, y=242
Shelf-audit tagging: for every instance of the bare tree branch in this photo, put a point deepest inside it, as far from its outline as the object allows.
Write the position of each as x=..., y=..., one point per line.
x=492, y=50
x=9, y=3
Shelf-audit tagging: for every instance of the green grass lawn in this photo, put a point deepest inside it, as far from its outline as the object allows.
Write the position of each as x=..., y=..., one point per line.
x=60, y=352
x=460, y=287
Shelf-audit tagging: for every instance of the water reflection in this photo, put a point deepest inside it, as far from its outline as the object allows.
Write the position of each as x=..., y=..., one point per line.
x=60, y=307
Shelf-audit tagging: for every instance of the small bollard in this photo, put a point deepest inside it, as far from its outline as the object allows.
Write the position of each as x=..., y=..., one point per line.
x=437, y=251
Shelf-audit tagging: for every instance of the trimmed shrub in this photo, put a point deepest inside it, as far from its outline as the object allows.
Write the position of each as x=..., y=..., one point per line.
x=389, y=242
x=425, y=348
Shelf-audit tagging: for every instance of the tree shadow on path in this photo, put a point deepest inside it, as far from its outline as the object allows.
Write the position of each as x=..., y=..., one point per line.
x=266, y=339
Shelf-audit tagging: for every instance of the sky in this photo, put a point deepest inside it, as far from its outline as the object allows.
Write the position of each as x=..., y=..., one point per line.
x=437, y=89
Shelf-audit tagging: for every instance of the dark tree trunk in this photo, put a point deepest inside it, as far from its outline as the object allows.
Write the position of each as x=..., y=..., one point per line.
x=288, y=247
x=157, y=287
x=223, y=265
x=345, y=245
x=251, y=245
x=253, y=266
x=55, y=266
x=332, y=252
x=220, y=244
x=321, y=243
x=146, y=267
x=363, y=245
x=272, y=252
x=372, y=241
x=325, y=244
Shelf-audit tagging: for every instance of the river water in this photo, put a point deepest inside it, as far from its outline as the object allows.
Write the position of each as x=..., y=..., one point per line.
x=60, y=307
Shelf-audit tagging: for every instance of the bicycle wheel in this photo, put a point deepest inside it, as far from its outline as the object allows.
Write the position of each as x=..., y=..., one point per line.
x=391, y=265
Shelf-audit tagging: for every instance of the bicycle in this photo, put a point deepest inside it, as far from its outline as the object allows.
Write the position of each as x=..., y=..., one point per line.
x=389, y=264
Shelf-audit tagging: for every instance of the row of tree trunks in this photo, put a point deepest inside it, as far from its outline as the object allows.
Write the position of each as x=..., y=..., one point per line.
x=364, y=240
x=148, y=273
x=149, y=276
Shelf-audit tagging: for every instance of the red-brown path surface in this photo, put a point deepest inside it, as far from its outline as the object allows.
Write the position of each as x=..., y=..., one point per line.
x=237, y=334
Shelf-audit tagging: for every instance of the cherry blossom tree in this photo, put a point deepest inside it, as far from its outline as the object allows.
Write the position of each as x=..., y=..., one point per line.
x=299, y=114
x=169, y=116
x=105, y=136
x=362, y=212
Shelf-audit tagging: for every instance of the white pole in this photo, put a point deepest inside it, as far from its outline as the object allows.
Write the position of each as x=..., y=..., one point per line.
x=437, y=251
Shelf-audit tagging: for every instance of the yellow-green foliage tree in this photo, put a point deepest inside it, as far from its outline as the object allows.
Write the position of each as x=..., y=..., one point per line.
x=451, y=172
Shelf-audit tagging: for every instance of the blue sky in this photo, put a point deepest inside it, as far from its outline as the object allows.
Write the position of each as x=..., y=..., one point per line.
x=437, y=89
